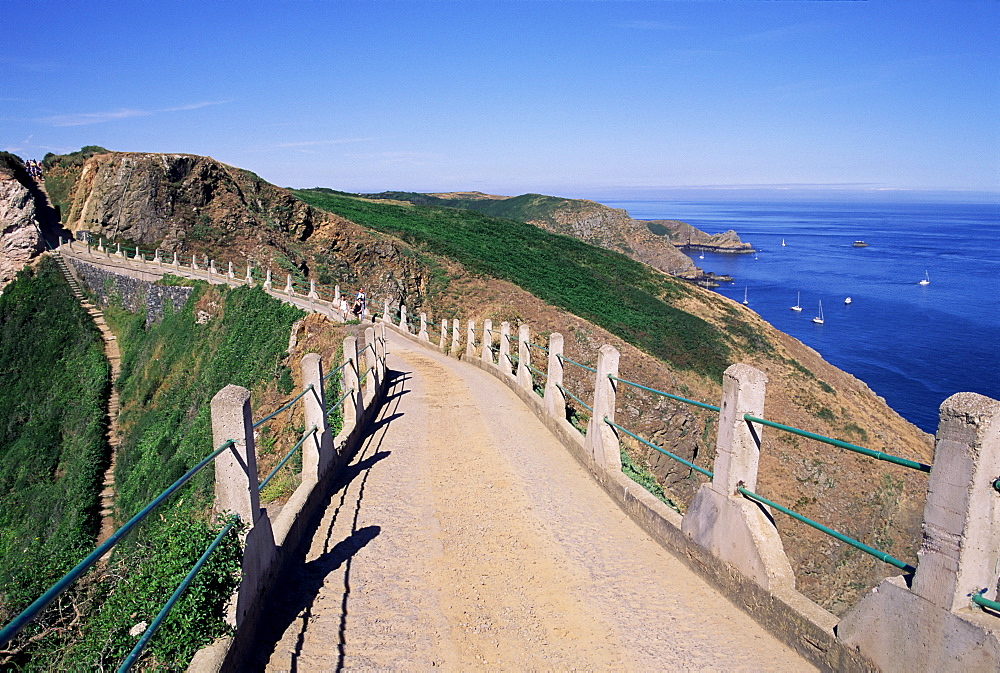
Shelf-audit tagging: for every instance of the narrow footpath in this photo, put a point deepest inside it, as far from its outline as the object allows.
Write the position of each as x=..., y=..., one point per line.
x=113, y=353
x=465, y=537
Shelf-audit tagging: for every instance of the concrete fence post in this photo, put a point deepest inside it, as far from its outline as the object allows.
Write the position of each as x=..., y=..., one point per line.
x=371, y=365
x=444, y=333
x=230, y=274
x=318, y=449
x=385, y=311
x=118, y=252
x=524, y=357
x=211, y=268
x=380, y=350
x=336, y=295
x=236, y=467
x=353, y=402
x=267, y=281
x=194, y=262
x=176, y=263
x=470, y=340
x=100, y=245
x=288, y=285
x=487, y=353
x=959, y=557
x=249, y=274
x=504, y=361
x=737, y=444
x=423, y=336
x=313, y=295
x=732, y=527
x=157, y=257
x=602, y=440
x=555, y=401
x=236, y=492
x=454, y=337
x=403, y=324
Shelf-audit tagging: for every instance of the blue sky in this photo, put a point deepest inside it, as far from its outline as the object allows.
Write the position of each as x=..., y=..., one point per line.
x=587, y=99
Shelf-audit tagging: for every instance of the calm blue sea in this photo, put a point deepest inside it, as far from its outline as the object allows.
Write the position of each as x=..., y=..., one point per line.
x=912, y=344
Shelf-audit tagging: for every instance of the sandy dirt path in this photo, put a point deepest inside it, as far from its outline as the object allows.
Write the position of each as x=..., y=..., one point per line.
x=465, y=537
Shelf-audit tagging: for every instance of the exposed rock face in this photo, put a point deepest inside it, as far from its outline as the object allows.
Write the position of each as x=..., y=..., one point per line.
x=20, y=228
x=685, y=236
x=195, y=205
x=613, y=229
x=168, y=200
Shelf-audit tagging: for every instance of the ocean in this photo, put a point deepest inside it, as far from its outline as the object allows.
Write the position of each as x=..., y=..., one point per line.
x=914, y=345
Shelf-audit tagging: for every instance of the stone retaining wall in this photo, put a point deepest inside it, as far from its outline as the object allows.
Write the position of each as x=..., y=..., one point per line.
x=132, y=294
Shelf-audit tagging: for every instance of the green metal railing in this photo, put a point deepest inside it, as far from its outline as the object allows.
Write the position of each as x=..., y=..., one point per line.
x=288, y=456
x=151, y=630
x=984, y=602
x=348, y=361
x=878, y=455
x=283, y=407
x=688, y=463
x=564, y=359
x=880, y=555
x=33, y=610
x=578, y=400
x=694, y=403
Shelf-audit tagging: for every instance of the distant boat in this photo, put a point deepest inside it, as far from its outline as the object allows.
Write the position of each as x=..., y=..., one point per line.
x=926, y=280
x=782, y=243
x=745, y=302
x=819, y=319
x=798, y=303
x=755, y=257
x=847, y=301
x=701, y=256
x=860, y=244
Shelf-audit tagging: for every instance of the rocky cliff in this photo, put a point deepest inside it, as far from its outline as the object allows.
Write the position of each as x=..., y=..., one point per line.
x=168, y=200
x=195, y=204
x=687, y=237
x=24, y=216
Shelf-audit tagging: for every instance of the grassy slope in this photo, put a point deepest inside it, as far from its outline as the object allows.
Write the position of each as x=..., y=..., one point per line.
x=52, y=446
x=868, y=501
x=623, y=296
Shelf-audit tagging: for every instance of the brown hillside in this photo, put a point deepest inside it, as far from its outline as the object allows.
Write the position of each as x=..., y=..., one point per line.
x=194, y=204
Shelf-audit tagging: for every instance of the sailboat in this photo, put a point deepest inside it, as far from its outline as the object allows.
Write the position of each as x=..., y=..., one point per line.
x=798, y=303
x=701, y=256
x=782, y=243
x=745, y=302
x=926, y=280
x=819, y=319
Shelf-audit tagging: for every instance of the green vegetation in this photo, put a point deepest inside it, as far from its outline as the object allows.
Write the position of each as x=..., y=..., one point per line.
x=625, y=297
x=60, y=174
x=171, y=371
x=645, y=478
x=170, y=280
x=52, y=445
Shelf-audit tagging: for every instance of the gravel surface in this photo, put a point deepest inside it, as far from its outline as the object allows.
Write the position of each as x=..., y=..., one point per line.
x=464, y=536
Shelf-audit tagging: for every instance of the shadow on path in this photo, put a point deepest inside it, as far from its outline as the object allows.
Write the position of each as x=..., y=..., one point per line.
x=292, y=598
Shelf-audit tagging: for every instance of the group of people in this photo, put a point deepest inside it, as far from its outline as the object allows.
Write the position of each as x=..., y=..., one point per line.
x=359, y=306
x=34, y=168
